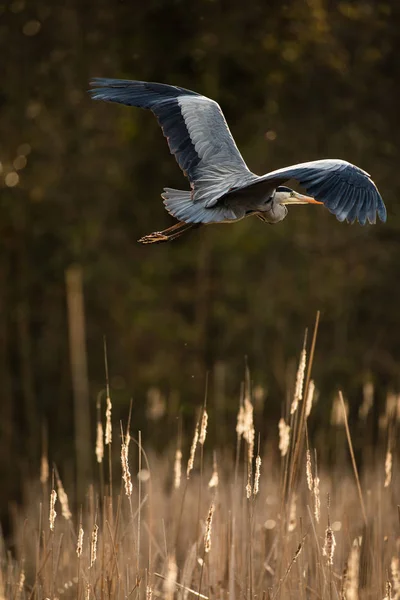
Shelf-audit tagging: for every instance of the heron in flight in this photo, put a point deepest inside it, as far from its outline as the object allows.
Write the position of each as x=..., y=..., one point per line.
x=223, y=189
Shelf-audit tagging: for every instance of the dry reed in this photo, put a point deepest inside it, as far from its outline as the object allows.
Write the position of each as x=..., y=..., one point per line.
x=99, y=442
x=126, y=474
x=298, y=392
x=207, y=535
x=284, y=436
x=388, y=468
x=52, y=512
x=193, y=447
x=93, y=545
x=178, y=469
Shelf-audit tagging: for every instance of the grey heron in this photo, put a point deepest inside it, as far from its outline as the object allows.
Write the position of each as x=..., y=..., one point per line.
x=223, y=189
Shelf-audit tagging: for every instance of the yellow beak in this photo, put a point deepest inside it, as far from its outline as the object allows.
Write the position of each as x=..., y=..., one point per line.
x=300, y=199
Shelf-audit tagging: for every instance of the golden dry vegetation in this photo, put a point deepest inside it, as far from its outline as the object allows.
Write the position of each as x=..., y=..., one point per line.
x=264, y=519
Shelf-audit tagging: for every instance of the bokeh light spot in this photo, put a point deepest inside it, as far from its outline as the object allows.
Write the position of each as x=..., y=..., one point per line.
x=12, y=179
x=31, y=27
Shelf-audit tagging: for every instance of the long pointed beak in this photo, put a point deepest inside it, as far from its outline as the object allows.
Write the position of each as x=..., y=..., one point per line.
x=300, y=199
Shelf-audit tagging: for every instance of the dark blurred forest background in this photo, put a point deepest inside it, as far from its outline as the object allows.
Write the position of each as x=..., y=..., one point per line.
x=81, y=182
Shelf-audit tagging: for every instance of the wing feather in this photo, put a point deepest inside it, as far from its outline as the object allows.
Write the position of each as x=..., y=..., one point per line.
x=196, y=132
x=346, y=190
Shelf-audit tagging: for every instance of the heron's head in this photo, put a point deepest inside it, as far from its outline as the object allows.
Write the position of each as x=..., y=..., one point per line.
x=276, y=206
x=284, y=196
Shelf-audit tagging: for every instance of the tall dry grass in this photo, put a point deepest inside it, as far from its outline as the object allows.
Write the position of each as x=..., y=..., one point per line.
x=265, y=520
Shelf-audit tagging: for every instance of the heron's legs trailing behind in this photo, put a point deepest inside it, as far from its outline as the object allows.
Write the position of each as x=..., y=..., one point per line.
x=167, y=235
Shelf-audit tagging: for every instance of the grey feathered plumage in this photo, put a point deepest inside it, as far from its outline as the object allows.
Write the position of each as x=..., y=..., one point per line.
x=222, y=187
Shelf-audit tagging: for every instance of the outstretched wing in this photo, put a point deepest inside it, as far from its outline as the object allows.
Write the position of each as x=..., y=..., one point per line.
x=195, y=128
x=346, y=190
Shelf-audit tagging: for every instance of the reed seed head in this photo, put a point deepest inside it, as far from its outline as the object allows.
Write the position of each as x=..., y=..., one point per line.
x=203, y=428
x=177, y=469
x=93, y=545
x=298, y=392
x=310, y=398
x=284, y=436
x=256, y=486
x=388, y=590
x=52, y=513
x=44, y=469
x=395, y=571
x=310, y=481
x=108, y=436
x=99, y=442
x=388, y=468
x=329, y=545
x=249, y=431
x=240, y=425
x=126, y=474
x=63, y=498
x=21, y=583
x=248, y=486
x=79, y=544
x=207, y=535
x=190, y=464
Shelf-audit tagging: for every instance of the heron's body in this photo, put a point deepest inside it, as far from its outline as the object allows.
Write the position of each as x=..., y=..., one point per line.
x=223, y=189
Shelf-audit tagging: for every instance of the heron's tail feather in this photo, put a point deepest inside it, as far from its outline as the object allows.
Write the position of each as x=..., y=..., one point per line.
x=179, y=204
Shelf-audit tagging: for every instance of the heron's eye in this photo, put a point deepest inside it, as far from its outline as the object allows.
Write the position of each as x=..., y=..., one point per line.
x=292, y=194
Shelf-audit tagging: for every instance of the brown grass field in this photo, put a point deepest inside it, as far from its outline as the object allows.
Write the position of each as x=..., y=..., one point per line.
x=266, y=519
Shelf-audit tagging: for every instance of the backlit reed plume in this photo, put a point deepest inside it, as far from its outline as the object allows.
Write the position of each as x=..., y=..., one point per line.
x=249, y=486
x=368, y=400
x=284, y=436
x=79, y=543
x=177, y=469
x=388, y=468
x=149, y=593
x=310, y=398
x=395, y=571
x=298, y=391
x=126, y=474
x=63, y=498
x=317, y=500
x=248, y=427
x=87, y=591
x=207, y=535
x=52, y=512
x=203, y=428
x=353, y=571
x=388, y=590
x=108, y=436
x=310, y=480
x=170, y=580
x=213, y=483
x=99, y=442
x=21, y=583
x=192, y=454
x=256, y=486
x=44, y=468
x=93, y=545
x=329, y=545
x=240, y=422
